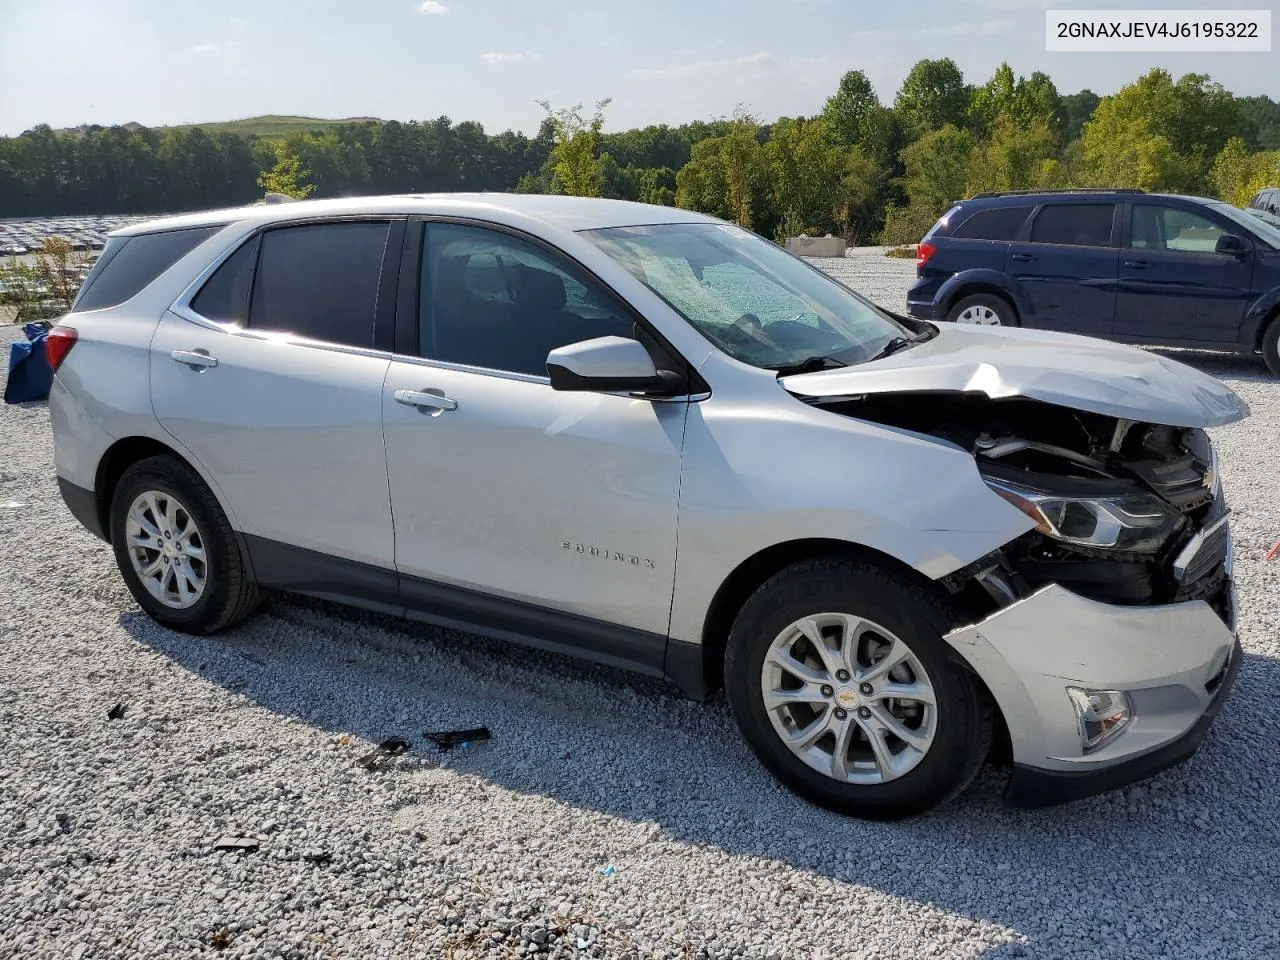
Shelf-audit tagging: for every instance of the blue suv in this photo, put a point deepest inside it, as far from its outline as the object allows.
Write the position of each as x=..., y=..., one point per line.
x=1120, y=264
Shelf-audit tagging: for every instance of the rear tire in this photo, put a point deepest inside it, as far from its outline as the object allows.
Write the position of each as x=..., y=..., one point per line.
x=891, y=619
x=1271, y=346
x=983, y=309
x=176, y=550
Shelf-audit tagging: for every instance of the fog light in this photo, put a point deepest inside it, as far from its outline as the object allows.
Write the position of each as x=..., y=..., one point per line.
x=1101, y=715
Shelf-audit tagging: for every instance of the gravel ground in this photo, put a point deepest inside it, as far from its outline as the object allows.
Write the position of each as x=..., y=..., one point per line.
x=108, y=827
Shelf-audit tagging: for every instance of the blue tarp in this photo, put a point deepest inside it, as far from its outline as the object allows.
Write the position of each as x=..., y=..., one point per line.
x=30, y=375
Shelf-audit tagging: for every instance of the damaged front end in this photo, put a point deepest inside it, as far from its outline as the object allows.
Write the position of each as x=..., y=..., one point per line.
x=1125, y=512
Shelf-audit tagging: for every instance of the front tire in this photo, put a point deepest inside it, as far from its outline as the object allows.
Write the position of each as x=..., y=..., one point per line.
x=843, y=687
x=983, y=309
x=176, y=550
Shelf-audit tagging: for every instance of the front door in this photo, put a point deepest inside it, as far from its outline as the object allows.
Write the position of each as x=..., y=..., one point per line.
x=284, y=409
x=506, y=490
x=1066, y=269
x=1173, y=285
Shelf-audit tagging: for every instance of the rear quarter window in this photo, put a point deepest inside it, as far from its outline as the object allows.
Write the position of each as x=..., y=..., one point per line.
x=998, y=223
x=124, y=269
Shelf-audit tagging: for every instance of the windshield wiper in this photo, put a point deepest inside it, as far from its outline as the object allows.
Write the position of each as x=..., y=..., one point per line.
x=808, y=365
x=896, y=344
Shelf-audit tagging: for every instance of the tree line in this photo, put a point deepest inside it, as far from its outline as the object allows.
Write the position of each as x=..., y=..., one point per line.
x=858, y=167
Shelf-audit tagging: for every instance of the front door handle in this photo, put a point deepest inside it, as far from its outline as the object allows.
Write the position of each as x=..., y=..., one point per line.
x=1021, y=257
x=429, y=399
x=1137, y=264
x=195, y=359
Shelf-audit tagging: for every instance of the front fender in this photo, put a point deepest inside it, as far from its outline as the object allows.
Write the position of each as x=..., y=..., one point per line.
x=981, y=278
x=755, y=477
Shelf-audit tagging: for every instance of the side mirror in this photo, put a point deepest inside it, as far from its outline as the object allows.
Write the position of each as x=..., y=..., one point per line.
x=1232, y=246
x=606, y=365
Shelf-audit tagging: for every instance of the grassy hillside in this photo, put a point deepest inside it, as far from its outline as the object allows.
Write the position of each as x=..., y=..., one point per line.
x=272, y=125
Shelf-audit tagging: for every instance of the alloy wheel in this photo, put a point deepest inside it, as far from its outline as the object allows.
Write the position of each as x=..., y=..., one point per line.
x=849, y=699
x=167, y=549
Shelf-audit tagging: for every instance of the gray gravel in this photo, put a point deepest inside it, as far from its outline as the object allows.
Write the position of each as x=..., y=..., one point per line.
x=107, y=827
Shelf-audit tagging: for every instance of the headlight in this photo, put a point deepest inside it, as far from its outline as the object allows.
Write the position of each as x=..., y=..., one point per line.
x=1137, y=522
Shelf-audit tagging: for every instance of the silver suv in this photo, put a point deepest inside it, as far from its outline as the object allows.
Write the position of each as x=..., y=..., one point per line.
x=653, y=439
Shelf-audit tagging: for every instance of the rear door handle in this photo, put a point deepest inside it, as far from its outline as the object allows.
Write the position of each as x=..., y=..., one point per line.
x=429, y=399
x=195, y=359
x=1021, y=257
x=1137, y=264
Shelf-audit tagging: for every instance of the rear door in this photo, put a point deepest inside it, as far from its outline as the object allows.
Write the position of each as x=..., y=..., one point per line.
x=1065, y=266
x=1173, y=285
x=272, y=377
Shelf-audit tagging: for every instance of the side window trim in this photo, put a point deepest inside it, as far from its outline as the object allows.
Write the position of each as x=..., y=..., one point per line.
x=410, y=302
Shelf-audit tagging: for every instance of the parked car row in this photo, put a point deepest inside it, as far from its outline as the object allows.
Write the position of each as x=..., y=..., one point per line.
x=18, y=237
x=1121, y=264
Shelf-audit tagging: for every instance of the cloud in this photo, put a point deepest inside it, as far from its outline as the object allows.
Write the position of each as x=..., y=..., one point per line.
x=704, y=69
x=508, y=57
x=202, y=49
x=968, y=29
x=433, y=6
x=237, y=23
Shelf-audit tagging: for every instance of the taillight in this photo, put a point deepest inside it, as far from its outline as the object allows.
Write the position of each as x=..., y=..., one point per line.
x=58, y=344
x=923, y=252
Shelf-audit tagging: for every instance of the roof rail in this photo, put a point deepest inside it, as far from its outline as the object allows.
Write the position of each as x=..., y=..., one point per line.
x=1028, y=193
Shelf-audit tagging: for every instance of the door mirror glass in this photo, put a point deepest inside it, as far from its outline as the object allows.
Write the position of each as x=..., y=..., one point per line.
x=604, y=365
x=1231, y=245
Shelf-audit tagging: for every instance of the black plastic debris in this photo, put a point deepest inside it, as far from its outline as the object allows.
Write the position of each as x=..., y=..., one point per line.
x=64, y=823
x=116, y=712
x=318, y=856
x=241, y=844
x=447, y=739
x=391, y=747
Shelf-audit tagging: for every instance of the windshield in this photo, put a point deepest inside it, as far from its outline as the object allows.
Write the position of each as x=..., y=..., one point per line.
x=1256, y=224
x=756, y=302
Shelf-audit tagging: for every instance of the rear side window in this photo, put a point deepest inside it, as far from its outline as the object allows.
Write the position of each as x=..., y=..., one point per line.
x=320, y=281
x=999, y=223
x=125, y=269
x=1075, y=224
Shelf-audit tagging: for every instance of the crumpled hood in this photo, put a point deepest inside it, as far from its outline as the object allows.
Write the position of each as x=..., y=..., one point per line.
x=1058, y=368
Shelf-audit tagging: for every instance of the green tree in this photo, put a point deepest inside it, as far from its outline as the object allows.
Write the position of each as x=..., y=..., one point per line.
x=1238, y=174
x=287, y=174
x=1020, y=155
x=1030, y=100
x=574, y=160
x=725, y=175
x=849, y=108
x=1077, y=110
x=1160, y=135
x=932, y=96
x=937, y=172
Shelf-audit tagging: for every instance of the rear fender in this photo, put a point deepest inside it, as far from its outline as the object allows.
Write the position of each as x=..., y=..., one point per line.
x=980, y=280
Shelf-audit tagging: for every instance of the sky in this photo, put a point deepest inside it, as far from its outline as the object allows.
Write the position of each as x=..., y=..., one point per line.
x=157, y=62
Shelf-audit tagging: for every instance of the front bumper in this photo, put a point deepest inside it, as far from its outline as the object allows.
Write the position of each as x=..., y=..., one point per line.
x=922, y=310
x=1176, y=663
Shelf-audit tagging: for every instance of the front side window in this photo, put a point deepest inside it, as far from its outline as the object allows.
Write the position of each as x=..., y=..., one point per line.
x=753, y=300
x=1074, y=224
x=496, y=301
x=318, y=281
x=1173, y=229
x=1252, y=226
